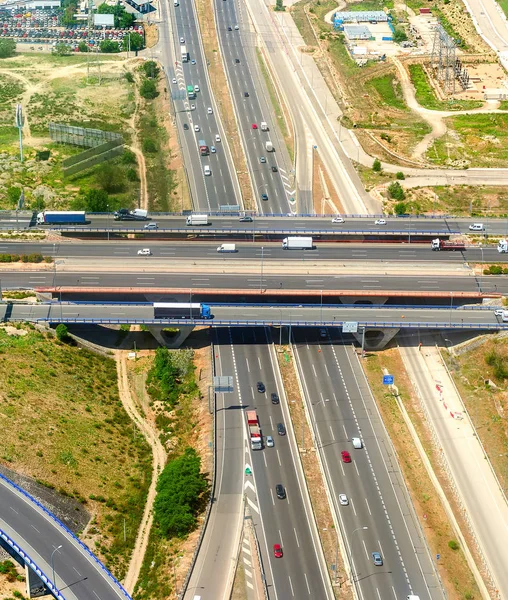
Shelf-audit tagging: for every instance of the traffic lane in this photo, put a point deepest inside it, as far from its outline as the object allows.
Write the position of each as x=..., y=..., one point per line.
x=290, y=527
x=27, y=524
x=201, y=281
x=325, y=251
x=336, y=426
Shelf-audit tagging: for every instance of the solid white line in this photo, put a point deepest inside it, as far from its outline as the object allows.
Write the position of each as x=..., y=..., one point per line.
x=368, y=507
x=307, y=582
x=296, y=536
x=331, y=431
x=271, y=494
x=278, y=456
x=292, y=591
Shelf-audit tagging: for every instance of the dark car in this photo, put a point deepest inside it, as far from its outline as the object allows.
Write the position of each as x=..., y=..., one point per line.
x=275, y=398
x=185, y=126
x=230, y=28
x=281, y=430
x=261, y=387
x=246, y=219
x=237, y=61
x=280, y=491
x=246, y=94
x=264, y=196
x=274, y=169
x=346, y=457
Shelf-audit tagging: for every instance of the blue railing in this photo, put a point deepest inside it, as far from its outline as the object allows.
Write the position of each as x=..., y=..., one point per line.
x=68, y=532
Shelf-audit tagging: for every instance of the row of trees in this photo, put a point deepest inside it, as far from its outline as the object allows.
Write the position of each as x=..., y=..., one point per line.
x=168, y=377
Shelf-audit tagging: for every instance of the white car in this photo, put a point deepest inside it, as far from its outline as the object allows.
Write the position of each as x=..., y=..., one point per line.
x=150, y=226
x=173, y=81
x=380, y=222
x=269, y=441
x=338, y=220
x=193, y=107
x=217, y=137
x=182, y=41
x=499, y=312
x=196, y=127
x=144, y=252
x=237, y=28
x=213, y=149
x=343, y=499
x=209, y=110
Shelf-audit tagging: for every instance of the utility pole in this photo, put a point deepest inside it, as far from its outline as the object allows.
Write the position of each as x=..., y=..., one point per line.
x=20, y=119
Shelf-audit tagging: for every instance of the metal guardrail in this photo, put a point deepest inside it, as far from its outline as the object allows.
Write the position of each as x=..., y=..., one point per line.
x=69, y=533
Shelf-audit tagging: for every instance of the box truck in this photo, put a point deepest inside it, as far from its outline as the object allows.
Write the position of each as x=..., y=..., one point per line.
x=185, y=54
x=256, y=441
x=181, y=310
x=197, y=220
x=60, y=217
x=227, y=248
x=204, y=150
x=269, y=146
x=297, y=243
x=502, y=246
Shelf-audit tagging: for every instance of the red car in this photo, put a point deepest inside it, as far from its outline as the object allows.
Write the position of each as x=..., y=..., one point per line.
x=254, y=126
x=346, y=457
x=277, y=551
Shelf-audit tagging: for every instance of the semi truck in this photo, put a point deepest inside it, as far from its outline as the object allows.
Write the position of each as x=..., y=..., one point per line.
x=256, y=440
x=197, y=220
x=204, y=150
x=185, y=54
x=297, y=243
x=438, y=244
x=138, y=214
x=502, y=246
x=269, y=146
x=60, y=217
x=227, y=248
x=181, y=310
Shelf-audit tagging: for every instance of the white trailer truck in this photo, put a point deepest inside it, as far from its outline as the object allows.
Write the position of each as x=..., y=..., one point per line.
x=297, y=243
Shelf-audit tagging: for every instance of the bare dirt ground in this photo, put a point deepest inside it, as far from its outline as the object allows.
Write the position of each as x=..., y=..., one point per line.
x=326, y=199
x=148, y=429
x=135, y=147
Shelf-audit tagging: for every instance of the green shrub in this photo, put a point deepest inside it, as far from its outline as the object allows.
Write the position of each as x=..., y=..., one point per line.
x=148, y=89
x=395, y=191
x=62, y=333
x=149, y=145
x=129, y=77
x=129, y=158
x=400, y=208
x=453, y=545
x=376, y=165
x=151, y=69
x=400, y=175
x=131, y=174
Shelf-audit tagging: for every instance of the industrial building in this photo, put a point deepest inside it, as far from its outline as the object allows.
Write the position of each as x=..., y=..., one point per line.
x=357, y=32
x=368, y=16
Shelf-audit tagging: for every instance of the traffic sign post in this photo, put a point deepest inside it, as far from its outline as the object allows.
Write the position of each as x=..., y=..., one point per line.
x=388, y=379
x=350, y=327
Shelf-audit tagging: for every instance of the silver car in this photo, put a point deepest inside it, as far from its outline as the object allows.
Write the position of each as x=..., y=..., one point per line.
x=269, y=441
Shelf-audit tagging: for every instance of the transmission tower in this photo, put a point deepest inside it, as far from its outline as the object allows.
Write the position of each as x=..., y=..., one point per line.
x=93, y=65
x=443, y=59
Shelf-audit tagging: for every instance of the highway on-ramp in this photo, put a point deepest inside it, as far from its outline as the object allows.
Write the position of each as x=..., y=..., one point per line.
x=79, y=576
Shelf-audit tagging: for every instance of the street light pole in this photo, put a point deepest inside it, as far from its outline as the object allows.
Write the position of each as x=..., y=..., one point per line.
x=451, y=307
x=261, y=280
x=351, y=551
x=107, y=206
x=53, y=564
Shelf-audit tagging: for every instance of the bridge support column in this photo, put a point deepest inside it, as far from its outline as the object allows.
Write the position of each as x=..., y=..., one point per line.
x=375, y=339
x=364, y=299
x=182, y=333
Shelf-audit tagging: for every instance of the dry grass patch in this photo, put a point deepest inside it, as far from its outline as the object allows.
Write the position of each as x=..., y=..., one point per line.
x=453, y=568
x=326, y=199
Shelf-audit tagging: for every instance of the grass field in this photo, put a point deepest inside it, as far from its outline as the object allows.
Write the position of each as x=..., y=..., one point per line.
x=459, y=199
x=64, y=425
x=504, y=5
x=477, y=140
x=389, y=89
x=427, y=98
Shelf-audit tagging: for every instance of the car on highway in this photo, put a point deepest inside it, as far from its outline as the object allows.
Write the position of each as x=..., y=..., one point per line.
x=144, y=252
x=380, y=222
x=217, y=137
x=196, y=88
x=248, y=219
x=275, y=398
x=209, y=110
x=264, y=197
x=246, y=94
x=213, y=149
x=174, y=81
x=269, y=441
x=262, y=159
x=376, y=557
x=197, y=128
x=338, y=220
x=237, y=28
x=150, y=226
x=274, y=169
x=193, y=107
x=281, y=430
x=477, y=227
x=193, y=62
x=230, y=28
x=254, y=126
x=323, y=333
x=182, y=40
x=343, y=499
x=346, y=457
x=186, y=127
x=260, y=387
x=499, y=312
x=237, y=61
x=207, y=171
x=280, y=491
x=277, y=551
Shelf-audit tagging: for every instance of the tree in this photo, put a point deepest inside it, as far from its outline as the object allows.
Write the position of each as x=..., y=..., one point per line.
x=400, y=175
x=376, y=165
x=396, y=191
x=122, y=17
x=111, y=178
x=149, y=145
x=279, y=5
x=62, y=49
x=96, y=200
x=70, y=9
x=13, y=195
x=151, y=69
x=7, y=48
x=136, y=42
x=62, y=333
x=148, y=89
x=181, y=489
x=109, y=46
x=400, y=208
x=399, y=36
x=83, y=47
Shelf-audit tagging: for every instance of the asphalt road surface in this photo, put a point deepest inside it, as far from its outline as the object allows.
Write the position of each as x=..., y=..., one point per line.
x=300, y=573
x=342, y=407
x=83, y=312
x=127, y=250
x=77, y=574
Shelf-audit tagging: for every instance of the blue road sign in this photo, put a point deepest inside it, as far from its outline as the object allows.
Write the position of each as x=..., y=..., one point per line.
x=388, y=379
x=438, y=556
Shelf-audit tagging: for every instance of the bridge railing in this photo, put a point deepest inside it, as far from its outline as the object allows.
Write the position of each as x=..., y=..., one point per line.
x=59, y=524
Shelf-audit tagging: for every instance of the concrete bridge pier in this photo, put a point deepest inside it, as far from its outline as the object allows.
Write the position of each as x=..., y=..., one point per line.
x=376, y=339
x=174, y=341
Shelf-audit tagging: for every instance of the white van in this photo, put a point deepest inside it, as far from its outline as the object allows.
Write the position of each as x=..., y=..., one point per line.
x=207, y=170
x=357, y=443
x=477, y=227
x=176, y=3
x=227, y=248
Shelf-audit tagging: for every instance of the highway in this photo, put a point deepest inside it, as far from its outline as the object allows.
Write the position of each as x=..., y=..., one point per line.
x=78, y=575
x=127, y=250
x=221, y=187
x=300, y=573
x=243, y=77
x=198, y=280
x=241, y=314
x=341, y=407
